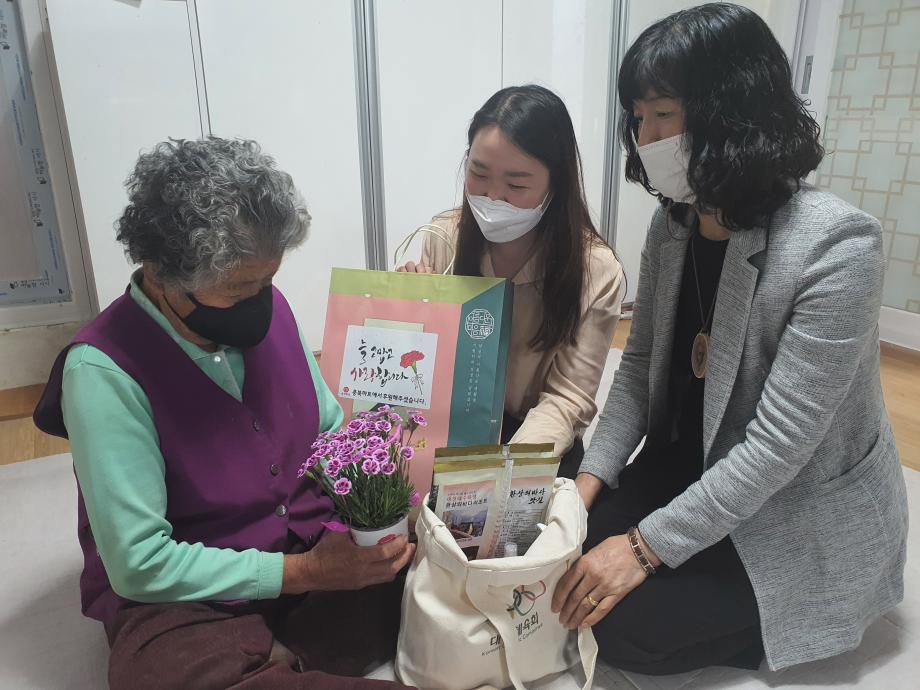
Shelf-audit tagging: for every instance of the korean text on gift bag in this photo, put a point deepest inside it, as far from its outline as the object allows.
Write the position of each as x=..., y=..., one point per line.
x=433, y=343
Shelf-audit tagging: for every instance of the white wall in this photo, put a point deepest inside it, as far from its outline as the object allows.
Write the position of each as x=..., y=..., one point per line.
x=283, y=73
x=27, y=354
x=783, y=18
x=127, y=81
x=438, y=62
x=565, y=46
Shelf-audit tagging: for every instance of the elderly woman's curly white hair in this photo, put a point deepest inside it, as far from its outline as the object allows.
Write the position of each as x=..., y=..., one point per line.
x=197, y=209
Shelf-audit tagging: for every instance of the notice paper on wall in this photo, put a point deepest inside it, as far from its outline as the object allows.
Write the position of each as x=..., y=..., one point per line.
x=32, y=268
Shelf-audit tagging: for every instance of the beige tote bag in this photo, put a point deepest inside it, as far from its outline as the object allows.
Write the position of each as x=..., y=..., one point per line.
x=488, y=623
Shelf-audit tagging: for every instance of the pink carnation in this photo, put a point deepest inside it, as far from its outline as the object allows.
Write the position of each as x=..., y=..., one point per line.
x=370, y=466
x=407, y=452
x=389, y=468
x=415, y=499
x=342, y=487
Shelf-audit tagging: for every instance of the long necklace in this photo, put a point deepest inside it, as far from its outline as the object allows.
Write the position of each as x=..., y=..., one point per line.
x=699, y=353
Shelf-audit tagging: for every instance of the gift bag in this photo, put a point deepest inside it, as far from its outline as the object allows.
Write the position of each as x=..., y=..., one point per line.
x=433, y=343
x=468, y=624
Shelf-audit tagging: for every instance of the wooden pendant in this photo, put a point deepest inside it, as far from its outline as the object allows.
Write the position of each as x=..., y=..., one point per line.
x=699, y=355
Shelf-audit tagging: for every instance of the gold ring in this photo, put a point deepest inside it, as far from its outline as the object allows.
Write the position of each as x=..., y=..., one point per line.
x=591, y=601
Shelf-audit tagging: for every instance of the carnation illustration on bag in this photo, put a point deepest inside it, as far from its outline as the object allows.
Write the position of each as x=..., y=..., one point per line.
x=364, y=468
x=411, y=359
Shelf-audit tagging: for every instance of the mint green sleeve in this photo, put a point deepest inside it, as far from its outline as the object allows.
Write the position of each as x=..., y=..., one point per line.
x=121, y=473
x=331, y=415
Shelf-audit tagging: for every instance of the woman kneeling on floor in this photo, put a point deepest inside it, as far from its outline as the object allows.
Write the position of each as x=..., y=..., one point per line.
x=766, y=514
x=190, y=402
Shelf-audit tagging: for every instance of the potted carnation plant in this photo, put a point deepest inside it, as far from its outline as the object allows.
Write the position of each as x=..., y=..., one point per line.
x=364, y=468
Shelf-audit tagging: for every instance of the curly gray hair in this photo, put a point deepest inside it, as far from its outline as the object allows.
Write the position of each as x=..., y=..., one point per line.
x=197, y=209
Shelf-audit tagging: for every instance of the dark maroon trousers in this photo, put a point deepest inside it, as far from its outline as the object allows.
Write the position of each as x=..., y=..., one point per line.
x=336, y=636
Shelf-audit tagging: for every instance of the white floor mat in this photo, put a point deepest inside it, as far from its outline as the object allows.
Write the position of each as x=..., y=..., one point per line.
x=46, y=643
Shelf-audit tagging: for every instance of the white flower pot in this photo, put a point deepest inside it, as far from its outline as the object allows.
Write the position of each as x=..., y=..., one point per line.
x=372, y=537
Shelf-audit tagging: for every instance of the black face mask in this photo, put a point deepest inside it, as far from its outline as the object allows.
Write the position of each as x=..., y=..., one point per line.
x=245, y=324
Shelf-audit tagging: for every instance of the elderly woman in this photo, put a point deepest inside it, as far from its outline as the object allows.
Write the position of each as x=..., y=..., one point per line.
x=766, y=515
x=189, y=403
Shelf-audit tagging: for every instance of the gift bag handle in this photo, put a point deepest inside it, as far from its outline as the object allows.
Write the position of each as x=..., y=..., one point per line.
x=400, y=253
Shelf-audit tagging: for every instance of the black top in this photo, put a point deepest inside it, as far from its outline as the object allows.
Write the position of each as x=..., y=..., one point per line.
x=685, y=391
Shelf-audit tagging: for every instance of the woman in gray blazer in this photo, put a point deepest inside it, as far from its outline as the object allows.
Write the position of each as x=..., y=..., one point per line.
x=766, y=514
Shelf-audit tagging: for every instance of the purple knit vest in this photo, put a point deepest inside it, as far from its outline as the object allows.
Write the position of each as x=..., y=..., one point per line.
x=231, y=467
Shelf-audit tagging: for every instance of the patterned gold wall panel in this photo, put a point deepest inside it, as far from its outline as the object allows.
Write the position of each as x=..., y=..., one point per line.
x=872, y=134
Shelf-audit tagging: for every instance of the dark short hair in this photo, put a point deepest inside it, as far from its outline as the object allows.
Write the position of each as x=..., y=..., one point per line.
x=197, y=209
x=537, y=122
x=752, y=139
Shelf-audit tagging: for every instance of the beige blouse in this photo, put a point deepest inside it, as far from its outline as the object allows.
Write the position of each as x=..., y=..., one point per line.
x=552, y=391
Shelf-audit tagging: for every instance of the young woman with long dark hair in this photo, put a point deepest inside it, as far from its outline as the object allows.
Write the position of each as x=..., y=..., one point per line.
x=524, y=217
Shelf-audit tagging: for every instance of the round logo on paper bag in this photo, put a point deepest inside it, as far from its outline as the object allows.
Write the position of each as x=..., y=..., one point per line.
x=479, y=324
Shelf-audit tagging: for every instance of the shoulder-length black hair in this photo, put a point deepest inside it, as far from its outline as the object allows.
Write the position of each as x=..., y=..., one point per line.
x=537, y=122
x=751, y=138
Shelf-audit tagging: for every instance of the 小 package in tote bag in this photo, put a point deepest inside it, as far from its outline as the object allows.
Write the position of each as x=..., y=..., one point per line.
x=488, y=623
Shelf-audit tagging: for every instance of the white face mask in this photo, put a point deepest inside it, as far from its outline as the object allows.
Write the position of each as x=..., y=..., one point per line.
x=504, y=222
x=666, y=164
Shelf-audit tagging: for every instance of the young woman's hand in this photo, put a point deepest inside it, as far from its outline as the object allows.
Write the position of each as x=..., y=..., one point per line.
x=605, y=575
x=412, y=267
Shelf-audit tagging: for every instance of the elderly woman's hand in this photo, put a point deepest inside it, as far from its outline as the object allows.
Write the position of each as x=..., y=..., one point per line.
x=337, y=563
x=605, y=575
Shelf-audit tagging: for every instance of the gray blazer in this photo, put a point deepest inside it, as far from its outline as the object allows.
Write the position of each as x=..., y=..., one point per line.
x=801, y=468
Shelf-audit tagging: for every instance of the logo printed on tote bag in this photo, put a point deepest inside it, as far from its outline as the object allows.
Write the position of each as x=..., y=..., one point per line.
x=480, y=324
x=523, y=600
